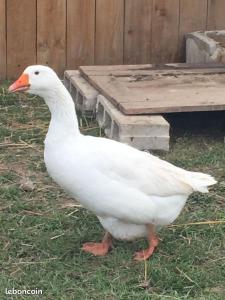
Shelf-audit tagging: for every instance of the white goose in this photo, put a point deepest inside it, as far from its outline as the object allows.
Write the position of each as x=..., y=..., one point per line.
x=130, y=191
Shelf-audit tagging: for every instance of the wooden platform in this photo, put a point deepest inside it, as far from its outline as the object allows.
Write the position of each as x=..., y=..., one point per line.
x=151, y=89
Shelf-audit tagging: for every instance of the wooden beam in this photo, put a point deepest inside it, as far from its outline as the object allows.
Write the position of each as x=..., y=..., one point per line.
x=2, y=40
x=109, y=32
x=21, y=36
x=51, y=34
x=80, y=32
x=216, y=15
x=137, y=31
x=165, y=25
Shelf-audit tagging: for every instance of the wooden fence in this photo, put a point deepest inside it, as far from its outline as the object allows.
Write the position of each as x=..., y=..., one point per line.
x=67, y=33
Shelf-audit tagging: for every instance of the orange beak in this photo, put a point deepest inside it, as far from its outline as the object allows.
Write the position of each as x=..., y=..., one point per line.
x=21, y=84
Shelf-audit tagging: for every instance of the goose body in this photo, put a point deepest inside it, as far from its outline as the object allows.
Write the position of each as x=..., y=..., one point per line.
x=120, y=192
x=130, y=191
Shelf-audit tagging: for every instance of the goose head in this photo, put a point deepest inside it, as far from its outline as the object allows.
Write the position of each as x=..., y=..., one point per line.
x=38, y=80
x=44, y=82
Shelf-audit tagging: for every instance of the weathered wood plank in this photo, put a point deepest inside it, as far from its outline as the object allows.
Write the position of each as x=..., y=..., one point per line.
x=165, y=23
x=175, y=66
x=2, y=40
x=191, y=20
x=84, y=69
x=135, y=74
x=80, y=32
x=21, y=36
x=148, y=69
x=142, y=108
x=172, y=91
x=137, y=31
x=51, y=34
x=216, y=17
x=109, y=32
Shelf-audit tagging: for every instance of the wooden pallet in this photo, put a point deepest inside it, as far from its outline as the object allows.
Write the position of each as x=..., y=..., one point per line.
x=151, y=89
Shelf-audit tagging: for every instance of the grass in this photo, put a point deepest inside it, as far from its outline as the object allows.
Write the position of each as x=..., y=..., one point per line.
x=42, y=229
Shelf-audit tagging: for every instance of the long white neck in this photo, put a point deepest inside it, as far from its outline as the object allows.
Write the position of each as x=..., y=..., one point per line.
x=63, y=115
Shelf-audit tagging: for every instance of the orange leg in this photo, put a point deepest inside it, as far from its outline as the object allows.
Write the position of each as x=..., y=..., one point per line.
x=153, y=242
x=99, y=249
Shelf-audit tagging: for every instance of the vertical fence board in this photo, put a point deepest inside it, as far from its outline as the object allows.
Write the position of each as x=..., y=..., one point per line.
x=51, y=34
x=2, y=40
x=21, y=35
x=216, y=14
x=165, y=25
x=80, y=32
x=69, y=33
x=193, y=17
x=109, y=31
x=137, y=39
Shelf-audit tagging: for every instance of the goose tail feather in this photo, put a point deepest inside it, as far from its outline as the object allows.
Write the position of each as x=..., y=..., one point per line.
x=200, y=181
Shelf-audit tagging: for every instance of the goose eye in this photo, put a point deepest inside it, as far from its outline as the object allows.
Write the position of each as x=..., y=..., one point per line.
x=36, y=72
